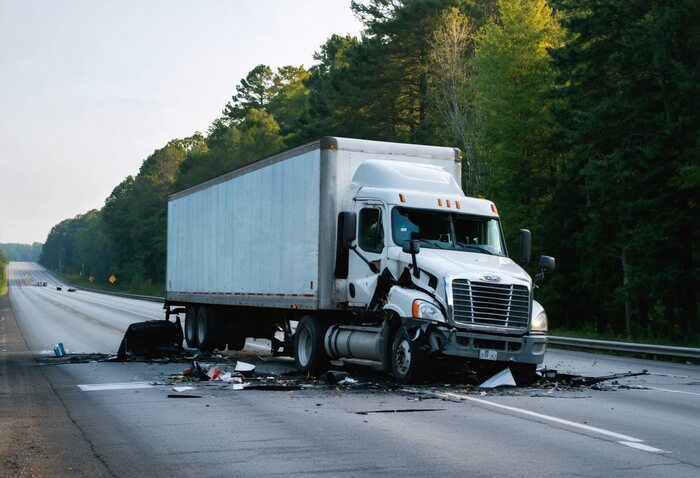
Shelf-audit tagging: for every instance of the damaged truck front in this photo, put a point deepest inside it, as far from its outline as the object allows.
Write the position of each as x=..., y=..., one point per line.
x=353, y=251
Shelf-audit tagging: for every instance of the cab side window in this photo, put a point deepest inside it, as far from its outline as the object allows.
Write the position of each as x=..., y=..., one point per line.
x=371, y=233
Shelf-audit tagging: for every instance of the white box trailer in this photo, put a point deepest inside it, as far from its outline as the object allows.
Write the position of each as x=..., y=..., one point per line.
x=315, y=242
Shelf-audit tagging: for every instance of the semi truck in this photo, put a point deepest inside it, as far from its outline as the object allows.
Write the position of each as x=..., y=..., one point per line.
x=353, y=251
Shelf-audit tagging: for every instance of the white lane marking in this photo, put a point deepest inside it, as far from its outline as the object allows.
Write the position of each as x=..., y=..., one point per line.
x=672, y=391
x=95, y=387
x=641, y=446
x=582, y=426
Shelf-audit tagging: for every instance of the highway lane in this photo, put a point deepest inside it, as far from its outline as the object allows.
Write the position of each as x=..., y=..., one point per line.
x=650, y=429
x=84, y=321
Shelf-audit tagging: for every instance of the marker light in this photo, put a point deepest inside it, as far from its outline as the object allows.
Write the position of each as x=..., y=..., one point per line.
x=402, y=198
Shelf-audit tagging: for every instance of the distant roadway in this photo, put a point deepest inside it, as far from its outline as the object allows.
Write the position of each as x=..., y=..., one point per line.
x=635, y=427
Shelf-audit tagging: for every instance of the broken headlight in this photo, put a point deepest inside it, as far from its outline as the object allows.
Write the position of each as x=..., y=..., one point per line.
x=426, y=310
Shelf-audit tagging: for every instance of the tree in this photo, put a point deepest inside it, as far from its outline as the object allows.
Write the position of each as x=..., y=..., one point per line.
x=514, y=78
x=451, y=53
x=254, y=91
x=629, y=118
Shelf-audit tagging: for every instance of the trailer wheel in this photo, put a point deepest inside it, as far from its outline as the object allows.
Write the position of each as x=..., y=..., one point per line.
x=191, y=327
x=409, y=363
x=209, y=335
x=309, y=354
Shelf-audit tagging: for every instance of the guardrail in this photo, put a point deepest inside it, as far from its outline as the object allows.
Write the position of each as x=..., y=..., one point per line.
x=666, y=350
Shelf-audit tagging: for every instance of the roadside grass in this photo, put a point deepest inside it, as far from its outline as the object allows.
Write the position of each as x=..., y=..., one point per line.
x=136, y=287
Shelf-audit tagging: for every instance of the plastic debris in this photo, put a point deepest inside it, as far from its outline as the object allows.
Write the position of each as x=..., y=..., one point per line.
x=237, y=386
x=182, y=389
x=504, y=378
x=59, y=350
x=347, y=381
x=244, y=367
x=334, y=376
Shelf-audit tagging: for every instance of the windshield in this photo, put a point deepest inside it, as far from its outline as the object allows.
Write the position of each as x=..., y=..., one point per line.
x=444, y=230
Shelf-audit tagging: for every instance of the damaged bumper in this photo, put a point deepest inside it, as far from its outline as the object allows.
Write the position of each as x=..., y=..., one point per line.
x=459, y=343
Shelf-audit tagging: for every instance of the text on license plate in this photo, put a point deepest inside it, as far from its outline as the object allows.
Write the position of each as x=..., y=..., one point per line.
x=488, y=355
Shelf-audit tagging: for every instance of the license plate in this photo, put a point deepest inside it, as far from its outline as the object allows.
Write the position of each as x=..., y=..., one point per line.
x=488, y=355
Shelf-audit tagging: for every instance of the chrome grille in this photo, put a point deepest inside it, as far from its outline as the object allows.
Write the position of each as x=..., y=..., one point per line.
x=496, y=305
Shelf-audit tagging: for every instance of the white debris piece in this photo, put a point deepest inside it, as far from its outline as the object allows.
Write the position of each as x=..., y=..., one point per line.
x=182, y=389
x=502, y=379
x=244, y=367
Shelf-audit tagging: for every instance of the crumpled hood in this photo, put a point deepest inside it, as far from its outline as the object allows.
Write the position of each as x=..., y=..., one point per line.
x=440, y=263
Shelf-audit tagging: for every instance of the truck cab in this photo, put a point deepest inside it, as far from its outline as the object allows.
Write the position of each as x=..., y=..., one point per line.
x=434, y=262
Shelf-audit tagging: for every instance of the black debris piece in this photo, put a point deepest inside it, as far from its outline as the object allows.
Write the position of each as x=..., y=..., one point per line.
x=151, y=339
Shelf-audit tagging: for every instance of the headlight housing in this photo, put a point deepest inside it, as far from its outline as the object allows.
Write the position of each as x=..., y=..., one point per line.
x=539, y=322
x=426, y=310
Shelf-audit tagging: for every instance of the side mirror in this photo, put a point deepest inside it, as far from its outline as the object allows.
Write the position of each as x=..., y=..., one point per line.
x=525, y=246
x=349, y=220
x=411, y=247
x=547, y=263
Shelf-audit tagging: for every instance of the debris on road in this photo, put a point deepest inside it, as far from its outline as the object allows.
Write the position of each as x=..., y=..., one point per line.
x=153, y=338
x=59, y=350
x=184, y=396
x=244, y=368
x=182, y=389
x=504, y=378
x=580, y=380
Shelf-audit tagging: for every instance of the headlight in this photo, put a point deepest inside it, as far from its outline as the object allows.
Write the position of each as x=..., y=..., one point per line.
x=539, y=323
x=426, y=310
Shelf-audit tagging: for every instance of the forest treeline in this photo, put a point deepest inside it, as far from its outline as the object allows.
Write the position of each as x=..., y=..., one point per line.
x=580, y=119
x=22, y=252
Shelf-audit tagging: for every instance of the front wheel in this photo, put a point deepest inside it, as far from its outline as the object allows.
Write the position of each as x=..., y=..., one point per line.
x=409, y=363
x=309, y=354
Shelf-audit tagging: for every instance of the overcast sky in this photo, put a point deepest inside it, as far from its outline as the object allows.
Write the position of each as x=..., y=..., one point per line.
x=89, y=89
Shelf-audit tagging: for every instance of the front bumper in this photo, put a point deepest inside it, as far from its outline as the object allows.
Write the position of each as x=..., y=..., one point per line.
x=456, y=343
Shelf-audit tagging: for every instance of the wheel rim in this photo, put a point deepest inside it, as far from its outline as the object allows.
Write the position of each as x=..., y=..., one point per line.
x=304, y=346
x=403, y=357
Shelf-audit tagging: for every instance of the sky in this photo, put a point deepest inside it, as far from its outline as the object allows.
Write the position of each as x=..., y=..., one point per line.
x=89, y=89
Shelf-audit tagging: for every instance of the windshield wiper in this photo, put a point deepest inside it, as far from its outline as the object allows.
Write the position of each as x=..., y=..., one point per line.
x=436, y=243
x=477, y=248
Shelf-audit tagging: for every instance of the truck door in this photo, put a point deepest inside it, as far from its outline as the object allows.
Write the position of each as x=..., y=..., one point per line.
x=371, y=244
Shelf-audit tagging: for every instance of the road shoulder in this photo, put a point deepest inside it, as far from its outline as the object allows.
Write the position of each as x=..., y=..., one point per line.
x=38, y=437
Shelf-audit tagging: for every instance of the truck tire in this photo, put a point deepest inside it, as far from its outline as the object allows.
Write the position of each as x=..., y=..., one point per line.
x=525, y=374
x=409, y=363
x=209, y=333
x=309, y=354
x=191, y=327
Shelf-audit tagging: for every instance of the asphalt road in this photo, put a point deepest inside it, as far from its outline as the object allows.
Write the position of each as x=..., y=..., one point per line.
x=636, y=427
